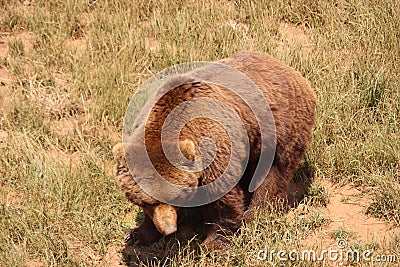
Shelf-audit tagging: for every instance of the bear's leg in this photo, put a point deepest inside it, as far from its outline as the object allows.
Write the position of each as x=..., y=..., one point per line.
x=144, y=234
x=215, y=238
x=273, y=188
x=225, y=214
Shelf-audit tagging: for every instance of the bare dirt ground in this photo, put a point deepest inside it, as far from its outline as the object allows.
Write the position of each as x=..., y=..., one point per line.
x=293, y=37
x=346, y=212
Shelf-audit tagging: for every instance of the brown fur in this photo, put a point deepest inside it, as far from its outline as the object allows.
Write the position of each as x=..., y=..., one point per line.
x=292, y=102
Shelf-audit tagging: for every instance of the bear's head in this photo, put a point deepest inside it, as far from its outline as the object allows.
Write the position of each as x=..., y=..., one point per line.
x=164, y=216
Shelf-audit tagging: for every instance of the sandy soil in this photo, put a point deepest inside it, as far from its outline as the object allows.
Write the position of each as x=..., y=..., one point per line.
x=297, y=37
x=347, y=210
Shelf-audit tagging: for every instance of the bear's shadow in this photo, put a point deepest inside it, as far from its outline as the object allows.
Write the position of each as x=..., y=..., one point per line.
x=168, y=247
x=300, y=185
x=188, y=236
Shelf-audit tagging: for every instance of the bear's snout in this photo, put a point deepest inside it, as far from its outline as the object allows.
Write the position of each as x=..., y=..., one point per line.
x=164, y=217
x=168, y=229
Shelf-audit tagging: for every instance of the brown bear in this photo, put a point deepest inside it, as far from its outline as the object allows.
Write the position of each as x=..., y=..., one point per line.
x=292, y=103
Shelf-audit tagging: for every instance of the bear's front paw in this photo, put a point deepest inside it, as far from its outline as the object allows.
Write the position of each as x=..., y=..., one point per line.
x=141, y=237
x=216, y=242
x=130, y=238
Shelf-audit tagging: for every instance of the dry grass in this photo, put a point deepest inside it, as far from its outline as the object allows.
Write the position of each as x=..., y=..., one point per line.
x=68, y=69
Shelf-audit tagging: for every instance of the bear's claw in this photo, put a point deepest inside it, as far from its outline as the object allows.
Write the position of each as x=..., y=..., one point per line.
x=130, y=238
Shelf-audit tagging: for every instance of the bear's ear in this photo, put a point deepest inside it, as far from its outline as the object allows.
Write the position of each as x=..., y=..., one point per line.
x=118, y=152
x=188, y=149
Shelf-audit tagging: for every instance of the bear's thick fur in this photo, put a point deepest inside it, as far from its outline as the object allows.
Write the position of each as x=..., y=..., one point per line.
x=292, y=103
